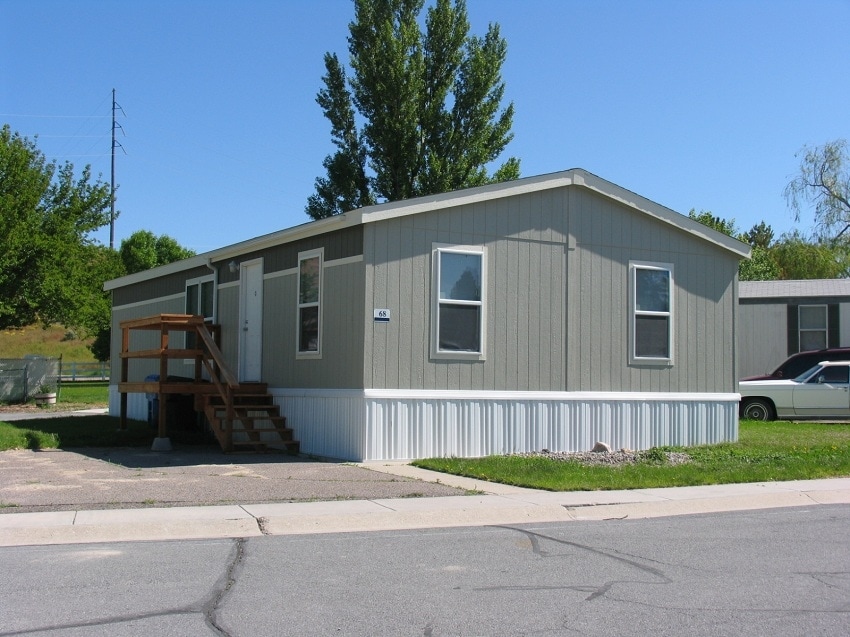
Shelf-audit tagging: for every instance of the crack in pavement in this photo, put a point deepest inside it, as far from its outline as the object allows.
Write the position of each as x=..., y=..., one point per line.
x=595, y=591
x=209, y=608
x=223, y=587
x=119, y=619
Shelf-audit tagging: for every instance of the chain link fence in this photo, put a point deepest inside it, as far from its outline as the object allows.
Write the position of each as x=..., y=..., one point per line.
x=21, y=378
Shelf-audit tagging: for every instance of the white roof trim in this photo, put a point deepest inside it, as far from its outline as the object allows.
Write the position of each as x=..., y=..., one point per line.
x=573, y=177
x=381, y=212
x=289, y=235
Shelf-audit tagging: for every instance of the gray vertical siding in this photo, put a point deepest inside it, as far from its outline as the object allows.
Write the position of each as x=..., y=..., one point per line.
x=557, y=298
x=557, y=310
x=228, y=318
x=763, y=337
x=608, y=236
x=525, y=290
x=341, y=363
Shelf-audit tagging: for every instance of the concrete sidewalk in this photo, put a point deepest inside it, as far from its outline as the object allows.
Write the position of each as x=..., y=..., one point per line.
x=490, y=504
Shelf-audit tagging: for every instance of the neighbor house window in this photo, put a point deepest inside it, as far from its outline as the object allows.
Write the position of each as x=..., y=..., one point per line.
x=309, y=302
x=459, y=283
x=813, y=327
x=651, y=329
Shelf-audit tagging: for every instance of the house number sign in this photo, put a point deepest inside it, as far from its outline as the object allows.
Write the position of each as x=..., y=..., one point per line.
x=382, y=316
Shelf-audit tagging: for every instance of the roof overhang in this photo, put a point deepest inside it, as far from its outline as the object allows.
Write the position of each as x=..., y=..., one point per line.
x=381, y=212
x=572, y=177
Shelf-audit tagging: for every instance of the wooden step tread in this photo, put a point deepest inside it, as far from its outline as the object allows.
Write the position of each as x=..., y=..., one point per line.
x=220, y=415
x=252, y=399
x=258, y=445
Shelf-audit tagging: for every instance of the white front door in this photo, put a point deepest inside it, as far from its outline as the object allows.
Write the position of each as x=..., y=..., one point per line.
x=251, y=320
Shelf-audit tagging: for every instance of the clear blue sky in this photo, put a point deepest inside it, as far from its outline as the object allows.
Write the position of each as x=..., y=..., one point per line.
x=692, y=104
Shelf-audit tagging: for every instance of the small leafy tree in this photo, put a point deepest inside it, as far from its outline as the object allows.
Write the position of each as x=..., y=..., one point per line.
x=761, y=266
x=429, y=103
x=143, y=250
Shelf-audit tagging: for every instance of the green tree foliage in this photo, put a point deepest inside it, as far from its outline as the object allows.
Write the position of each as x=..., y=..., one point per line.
x=47, y=215
x=95, y=310
x=800, y=258
x=143, y=250
x=706, y=218
x=824, y=180
x=429, y=103
x=792, y=257
x=761, y=266
x=759, y=236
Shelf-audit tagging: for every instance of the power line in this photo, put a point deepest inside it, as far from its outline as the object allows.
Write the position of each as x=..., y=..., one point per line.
x=53, y=116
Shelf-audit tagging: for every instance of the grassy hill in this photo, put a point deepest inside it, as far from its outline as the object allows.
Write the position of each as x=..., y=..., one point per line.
x=54, y=341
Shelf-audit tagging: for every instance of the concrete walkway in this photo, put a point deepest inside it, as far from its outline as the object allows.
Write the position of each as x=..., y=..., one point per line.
x=488, y=504
x=332, y=497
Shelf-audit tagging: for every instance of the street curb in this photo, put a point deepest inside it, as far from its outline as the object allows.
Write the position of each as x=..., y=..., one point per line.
x=514, y=506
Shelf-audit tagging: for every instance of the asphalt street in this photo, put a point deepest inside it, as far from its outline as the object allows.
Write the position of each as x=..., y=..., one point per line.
x=781, y=572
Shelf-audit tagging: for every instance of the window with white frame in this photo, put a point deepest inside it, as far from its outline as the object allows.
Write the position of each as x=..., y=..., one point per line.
x=651, y=329
x=309, y=302
x=200, y=301
x=813, y=326
x=458, y=317
x=200, y=297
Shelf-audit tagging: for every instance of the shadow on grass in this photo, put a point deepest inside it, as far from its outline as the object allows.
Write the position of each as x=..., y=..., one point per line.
x=81, y=431
x=99, y=437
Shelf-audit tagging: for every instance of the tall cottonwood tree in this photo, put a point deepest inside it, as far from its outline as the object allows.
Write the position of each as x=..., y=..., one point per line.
x=824, y=181
x=422, y=111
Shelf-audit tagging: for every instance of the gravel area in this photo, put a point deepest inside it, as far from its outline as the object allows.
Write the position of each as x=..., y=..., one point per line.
x=613, y=458
x=55, y=480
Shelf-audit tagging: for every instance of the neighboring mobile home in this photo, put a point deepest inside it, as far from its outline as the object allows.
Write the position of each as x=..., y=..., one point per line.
x=781, y=318
x=548, y=312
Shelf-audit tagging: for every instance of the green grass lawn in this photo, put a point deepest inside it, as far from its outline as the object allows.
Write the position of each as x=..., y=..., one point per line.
x=90, y=393
x=764, y=452
x=73, y=431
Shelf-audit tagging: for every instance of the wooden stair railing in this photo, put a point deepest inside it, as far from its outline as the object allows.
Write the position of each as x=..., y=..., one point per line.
x=245, y=403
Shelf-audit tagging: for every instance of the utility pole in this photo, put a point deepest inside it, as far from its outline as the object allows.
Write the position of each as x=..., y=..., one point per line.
x=115, y=143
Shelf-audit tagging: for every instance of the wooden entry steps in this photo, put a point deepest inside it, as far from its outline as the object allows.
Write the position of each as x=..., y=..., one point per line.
x=254, y=415
x=231, y=407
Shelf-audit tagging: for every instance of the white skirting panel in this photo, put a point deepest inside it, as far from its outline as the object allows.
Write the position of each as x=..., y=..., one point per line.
x=137, y=404
x=328, y=423
x=364, y=425
x=400, y=426
x=407, y=424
